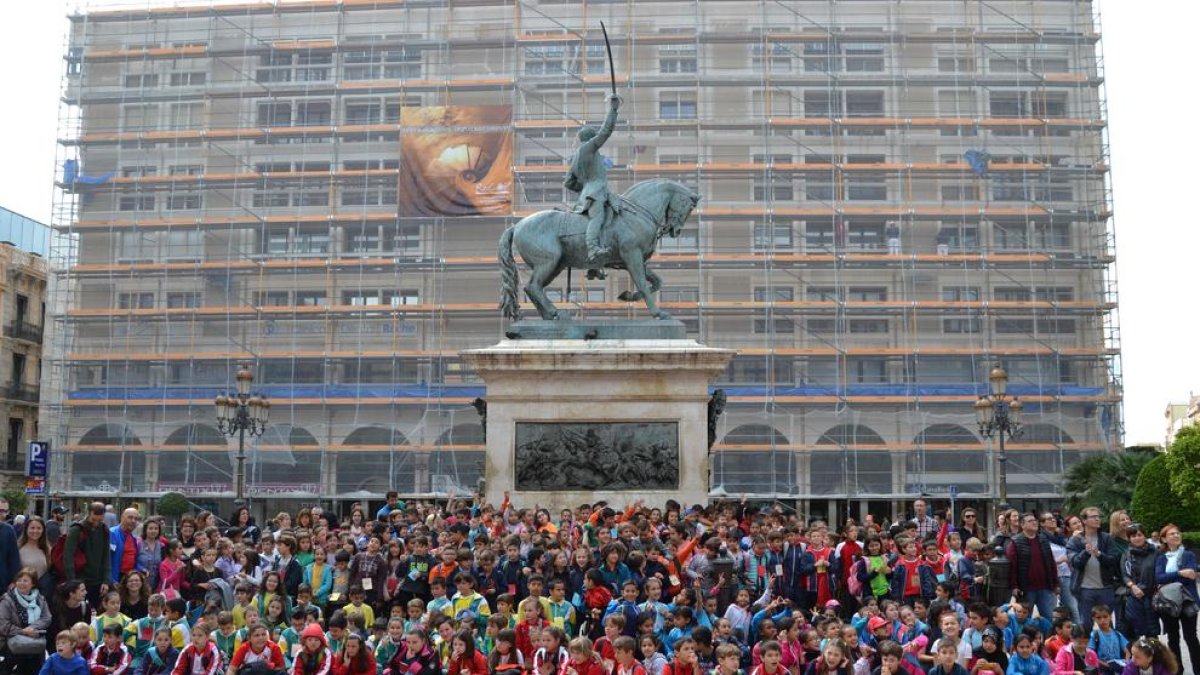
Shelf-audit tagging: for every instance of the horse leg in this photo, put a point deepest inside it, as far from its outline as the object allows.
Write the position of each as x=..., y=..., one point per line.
x=655, y=284
x=637, y=271
x=544, y=272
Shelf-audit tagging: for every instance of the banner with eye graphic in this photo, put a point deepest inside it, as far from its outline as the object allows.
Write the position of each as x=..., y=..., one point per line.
x=456, y=161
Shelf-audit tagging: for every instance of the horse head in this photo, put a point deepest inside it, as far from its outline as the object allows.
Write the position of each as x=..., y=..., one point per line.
x=679, y=207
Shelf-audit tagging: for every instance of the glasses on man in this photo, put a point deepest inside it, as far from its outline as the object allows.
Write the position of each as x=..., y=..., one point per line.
x=968, y=515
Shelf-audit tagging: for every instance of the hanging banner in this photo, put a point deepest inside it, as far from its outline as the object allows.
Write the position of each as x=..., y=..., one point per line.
x=456, y=161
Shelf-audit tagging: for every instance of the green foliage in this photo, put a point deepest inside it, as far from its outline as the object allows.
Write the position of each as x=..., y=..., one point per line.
x=18, y=501
x=1155, y=505
x=173, y=504
x=1183, y=460
x=1104, y=480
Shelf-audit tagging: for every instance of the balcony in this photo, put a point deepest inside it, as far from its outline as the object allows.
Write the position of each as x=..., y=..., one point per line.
x=23, y=330
x=19, y=391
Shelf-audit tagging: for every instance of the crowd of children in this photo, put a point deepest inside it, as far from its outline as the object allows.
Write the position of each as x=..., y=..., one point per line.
x=466, y=589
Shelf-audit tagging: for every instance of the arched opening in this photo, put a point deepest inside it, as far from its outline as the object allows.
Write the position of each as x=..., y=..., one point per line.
x=755, y=434
x=284, y=446
x=1043, y=433
x=850, y=435
x=945, y=434
x=375, y=471
x=376, y=435
x=462, y=434
x=194, y=466
x=850, y=471
x=110, y=434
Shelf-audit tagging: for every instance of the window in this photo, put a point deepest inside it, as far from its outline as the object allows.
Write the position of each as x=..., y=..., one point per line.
x=139, y=117
x=956, y=63
x=762, y=326
x=1054, y=189
x=1009, y=236
x=311, y=299
x=274, y=114
x=310, y=243
x=959, y=325
x=135, y=300
x=866, y=187
x=181, y=300
x=864, y=104
x=775, y=57
x=774, y=293
x=677, y=106
x=867, y=371
x=192, y=79
x=183, y=201
x=868, y=325
x=390, y=63
x=818, y=236
x=143, y=81
x=822, y=103
x=370, y=195
x=1049, y=104
x=271, y=299
x=679, y=294
x=185, y=169
x=1012, y=294
x=1011, y=188
x=364, y=112
x=864, y=236
x=543, y=189
x=863, y=57
x=688, y=241
x=138, y=171
x=677, y=59
x=314, y=114
x=1051, y=236
x=1009, y=103
x=821, y=57
x=819, y=188
x=956, y=192
x=313, y=66
x=960, y=293
x=773, y=187
x=136, y=203
x=824, y=294
x=1054, y=293
x=867, y=294
x=768, y=236
x=262, y=199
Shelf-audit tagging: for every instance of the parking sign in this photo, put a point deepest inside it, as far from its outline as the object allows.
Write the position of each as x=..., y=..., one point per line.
x=37, y=460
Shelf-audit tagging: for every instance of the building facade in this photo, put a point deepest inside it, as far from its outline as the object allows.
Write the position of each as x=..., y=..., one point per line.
x=896, y=197
x=1180, y=415
x=23, y=276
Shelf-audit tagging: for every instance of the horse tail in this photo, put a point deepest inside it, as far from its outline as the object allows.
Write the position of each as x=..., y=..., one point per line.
x=509, y=278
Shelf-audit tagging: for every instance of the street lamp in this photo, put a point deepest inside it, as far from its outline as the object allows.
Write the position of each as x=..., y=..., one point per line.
x=999, y=415
x=240, y=413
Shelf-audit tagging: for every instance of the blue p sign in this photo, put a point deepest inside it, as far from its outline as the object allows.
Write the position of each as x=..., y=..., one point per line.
x=38, y=459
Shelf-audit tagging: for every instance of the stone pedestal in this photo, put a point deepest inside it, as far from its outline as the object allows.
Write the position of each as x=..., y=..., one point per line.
x=571, y=421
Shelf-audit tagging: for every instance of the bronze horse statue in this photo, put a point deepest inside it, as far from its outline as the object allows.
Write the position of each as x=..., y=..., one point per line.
x=550, y=241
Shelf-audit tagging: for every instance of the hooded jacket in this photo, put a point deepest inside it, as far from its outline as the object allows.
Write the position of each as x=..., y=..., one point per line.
x=319, y=662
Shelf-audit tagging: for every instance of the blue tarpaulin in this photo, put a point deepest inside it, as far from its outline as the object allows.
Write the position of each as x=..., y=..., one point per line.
x=71, y=175
x=285, y=392
x=978, y=160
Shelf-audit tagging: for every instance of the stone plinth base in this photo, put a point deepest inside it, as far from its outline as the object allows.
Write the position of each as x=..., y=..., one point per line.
x=574, y=421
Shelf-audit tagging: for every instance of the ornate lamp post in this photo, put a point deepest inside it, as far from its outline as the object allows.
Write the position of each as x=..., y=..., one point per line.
x=242, y=413
x=999, y=415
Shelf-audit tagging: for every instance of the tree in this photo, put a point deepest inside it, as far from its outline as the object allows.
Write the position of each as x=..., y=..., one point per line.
x=17, y=500
x=1183, y=459
x=173, y=504
x=1154, y=505
x=1105, y=479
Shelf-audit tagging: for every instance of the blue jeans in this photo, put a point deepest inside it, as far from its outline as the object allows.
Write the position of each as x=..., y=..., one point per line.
x=1089, y=598
x=1141, y=617
x=1045, y=601
x=1067, y=599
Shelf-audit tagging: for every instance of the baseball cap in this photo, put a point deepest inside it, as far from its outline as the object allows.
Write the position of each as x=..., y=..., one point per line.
x=832, y=604
x=875, y=623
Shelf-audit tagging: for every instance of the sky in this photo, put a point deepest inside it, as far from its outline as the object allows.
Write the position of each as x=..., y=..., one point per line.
x=1147, y=49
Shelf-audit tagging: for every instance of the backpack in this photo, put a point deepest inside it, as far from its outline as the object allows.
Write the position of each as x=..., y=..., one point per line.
x=853, y=583
x=57, y=553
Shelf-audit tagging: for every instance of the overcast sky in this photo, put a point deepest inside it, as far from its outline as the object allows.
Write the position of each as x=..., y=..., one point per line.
x=1149, y=49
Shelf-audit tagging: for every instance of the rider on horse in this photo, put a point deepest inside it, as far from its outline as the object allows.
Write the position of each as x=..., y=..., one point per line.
x=588, y=176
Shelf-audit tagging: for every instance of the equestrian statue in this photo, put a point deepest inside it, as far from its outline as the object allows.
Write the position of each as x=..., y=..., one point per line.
x=602, y=231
